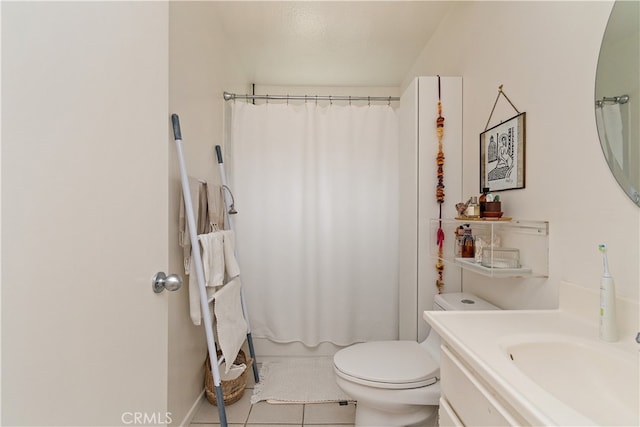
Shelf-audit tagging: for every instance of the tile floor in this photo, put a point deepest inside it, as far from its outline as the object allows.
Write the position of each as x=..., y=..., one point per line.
x=243, y=413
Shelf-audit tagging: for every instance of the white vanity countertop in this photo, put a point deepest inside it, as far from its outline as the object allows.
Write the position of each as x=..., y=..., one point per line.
x=481, y=338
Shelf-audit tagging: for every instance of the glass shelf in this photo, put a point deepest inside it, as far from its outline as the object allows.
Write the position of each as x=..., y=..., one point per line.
x=531, y=238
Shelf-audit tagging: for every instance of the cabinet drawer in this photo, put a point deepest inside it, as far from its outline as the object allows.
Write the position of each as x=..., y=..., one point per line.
x=471, y=400
x=447, y=416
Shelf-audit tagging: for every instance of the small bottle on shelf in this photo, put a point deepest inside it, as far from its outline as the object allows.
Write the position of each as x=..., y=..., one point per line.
x=459, y=242
x=473, y=209
x=468, y=244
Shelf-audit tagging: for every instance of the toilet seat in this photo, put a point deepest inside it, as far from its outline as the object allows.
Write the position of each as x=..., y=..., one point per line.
x=387, y=364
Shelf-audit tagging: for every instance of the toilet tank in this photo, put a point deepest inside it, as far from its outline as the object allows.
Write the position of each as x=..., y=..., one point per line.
x=458, y=301
x=451, y=302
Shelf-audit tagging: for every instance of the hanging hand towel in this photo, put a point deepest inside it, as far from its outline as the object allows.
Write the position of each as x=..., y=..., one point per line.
x=230, y=262
x=231, y=326
x=216, y=207
x=212, y=258
x=199, y=199
x=194, y=297
x=212, y=254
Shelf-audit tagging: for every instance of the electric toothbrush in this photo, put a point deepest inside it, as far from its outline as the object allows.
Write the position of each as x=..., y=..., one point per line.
x=608, y=327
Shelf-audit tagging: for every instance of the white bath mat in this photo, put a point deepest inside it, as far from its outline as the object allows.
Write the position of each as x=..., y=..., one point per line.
x=298, y=380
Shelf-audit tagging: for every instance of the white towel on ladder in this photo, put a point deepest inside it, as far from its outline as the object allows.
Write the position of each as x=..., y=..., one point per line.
x=212, y=254
x=212, y=258
x=230, y=323
x=230, y=262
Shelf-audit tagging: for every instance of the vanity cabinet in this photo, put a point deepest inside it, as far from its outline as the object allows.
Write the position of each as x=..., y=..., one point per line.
x=529, y=238
x=467, y=400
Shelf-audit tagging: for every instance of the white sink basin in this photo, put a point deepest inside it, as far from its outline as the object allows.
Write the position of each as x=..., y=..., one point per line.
x=591, y=377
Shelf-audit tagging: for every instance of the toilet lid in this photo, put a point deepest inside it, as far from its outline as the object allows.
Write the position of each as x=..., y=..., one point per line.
x=387, y=364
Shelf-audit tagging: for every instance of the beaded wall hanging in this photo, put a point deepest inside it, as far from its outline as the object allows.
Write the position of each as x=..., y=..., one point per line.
x=440, y=192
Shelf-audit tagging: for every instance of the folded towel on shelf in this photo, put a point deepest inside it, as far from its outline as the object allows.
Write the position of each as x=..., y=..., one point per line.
x=230, y=323
x=230, y=261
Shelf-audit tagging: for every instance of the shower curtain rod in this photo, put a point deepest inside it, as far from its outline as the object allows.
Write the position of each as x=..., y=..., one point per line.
x=232, y=96
x=622, y=99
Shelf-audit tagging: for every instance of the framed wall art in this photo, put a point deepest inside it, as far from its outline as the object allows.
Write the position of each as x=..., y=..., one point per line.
x=502, y=155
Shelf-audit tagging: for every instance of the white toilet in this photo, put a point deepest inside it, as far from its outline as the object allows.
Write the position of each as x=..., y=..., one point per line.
x=396, y=383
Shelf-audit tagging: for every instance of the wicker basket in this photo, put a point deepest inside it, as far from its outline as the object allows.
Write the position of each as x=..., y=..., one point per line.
x=232, y=390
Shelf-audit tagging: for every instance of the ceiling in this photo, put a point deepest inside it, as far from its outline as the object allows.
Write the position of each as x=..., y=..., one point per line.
x=329, y=43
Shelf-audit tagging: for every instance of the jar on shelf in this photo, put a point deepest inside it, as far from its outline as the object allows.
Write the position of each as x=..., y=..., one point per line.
x=473, y=209
x=468, y=244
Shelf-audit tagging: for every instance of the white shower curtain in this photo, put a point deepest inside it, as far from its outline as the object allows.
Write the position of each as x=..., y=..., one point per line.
x=317, y=234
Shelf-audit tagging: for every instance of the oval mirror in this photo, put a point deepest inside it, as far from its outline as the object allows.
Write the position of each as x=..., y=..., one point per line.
x=617, y=96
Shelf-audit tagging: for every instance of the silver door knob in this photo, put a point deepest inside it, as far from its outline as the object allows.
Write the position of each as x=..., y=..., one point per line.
x=161, y=281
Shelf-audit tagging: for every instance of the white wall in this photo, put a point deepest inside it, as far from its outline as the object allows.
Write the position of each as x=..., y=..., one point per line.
x=545, y=54
x=201, y=68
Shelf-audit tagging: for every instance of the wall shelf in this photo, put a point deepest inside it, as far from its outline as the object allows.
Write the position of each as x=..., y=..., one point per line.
x=531, y=238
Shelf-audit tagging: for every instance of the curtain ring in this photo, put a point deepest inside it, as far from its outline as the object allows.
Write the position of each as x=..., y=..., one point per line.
x=369, y=101
x=349, y=100
x=316, y=100
x=287, y=99
x=389, y=104
x=267, y=98
x=330, y=100
x=305, y=99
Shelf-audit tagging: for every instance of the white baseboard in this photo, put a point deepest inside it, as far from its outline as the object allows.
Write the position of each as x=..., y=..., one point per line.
x=186, y=421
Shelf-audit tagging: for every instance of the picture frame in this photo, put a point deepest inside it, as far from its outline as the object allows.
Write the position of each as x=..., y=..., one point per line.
x=502, y=155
